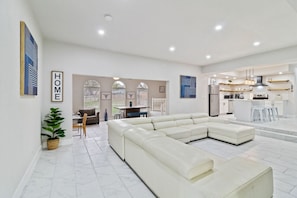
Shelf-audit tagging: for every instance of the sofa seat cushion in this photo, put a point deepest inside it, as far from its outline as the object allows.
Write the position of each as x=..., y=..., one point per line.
x=179, y=157
x=139, y=135
x=176, y=132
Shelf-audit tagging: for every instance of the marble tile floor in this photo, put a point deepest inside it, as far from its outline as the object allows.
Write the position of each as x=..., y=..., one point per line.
x=90, y=169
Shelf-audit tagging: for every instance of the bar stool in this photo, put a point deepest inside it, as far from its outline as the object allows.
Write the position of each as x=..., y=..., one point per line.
x=257, y=113
x=275, y=112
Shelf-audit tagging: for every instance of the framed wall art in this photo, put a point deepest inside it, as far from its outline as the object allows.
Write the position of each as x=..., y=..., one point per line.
x=187, y=87
x=57, y=87
x=162, y=89
x=130, y=95
x=28, y=62
x=106, y=95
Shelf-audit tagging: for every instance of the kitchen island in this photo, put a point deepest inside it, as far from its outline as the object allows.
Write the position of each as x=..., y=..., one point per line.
x=243, y=108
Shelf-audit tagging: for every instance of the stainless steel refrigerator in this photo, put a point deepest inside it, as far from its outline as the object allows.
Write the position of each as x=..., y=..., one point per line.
x=213, y=100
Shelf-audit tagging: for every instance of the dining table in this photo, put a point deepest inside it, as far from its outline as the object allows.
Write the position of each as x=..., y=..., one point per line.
x=131, y=111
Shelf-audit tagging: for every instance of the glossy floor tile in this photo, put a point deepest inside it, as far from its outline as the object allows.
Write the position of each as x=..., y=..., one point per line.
x=90, y=169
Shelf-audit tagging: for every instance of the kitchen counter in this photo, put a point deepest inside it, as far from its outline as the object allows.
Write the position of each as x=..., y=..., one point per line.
x=243, y=108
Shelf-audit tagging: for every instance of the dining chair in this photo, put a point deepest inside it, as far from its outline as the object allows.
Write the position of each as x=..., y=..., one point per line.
x=81, y=126
x=84, y=124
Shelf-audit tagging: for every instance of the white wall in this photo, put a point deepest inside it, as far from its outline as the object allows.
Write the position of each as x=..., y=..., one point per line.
x=20, y=115
x=72, y=59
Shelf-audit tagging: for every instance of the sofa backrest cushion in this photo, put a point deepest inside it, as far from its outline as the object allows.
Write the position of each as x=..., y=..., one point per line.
x=139, y=135
x=165, y=124
x=199, y=115
x=218, y=120
x=118, y=126
x=179, y=157
x=184, y=122
x=162, y=118
x=90, y=112
x=136, y=121
x=145, y=123
x=181, y=116
x=200, y=120
x=162, y=122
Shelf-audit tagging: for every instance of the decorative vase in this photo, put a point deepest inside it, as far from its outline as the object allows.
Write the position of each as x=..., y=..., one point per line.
x=105, y=115
x=52, y=143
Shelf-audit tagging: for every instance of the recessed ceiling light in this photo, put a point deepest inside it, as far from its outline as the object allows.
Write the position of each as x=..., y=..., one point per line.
x=208, y=56
x=171, y=48
x=280, y=73
x=234, y=78
x=116, y=78
x=108, y=17
x=256, y=43
x=214, y=75
x=101, y=32
x=218, y=27
x=227, y=76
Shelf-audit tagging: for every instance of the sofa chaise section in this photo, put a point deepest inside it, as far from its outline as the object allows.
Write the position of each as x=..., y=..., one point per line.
x=176, y=170
x=232, y=133
x=163, y=163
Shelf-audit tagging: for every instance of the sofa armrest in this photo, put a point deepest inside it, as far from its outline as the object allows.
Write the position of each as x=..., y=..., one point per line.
x=98, y=115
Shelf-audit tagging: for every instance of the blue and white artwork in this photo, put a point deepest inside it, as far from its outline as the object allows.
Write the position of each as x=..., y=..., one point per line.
x=29, y=64
x=187, y=87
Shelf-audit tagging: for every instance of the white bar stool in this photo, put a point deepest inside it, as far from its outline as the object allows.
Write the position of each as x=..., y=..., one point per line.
x=259, y=113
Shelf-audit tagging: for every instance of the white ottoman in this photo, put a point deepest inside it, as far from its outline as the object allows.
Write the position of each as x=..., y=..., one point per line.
x=232, y=133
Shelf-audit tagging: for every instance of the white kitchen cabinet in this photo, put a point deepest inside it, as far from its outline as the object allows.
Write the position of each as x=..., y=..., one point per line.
x=223, y=106
x=280, y=107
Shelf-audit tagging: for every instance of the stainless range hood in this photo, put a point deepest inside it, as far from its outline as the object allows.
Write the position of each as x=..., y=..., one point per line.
x=259, y=82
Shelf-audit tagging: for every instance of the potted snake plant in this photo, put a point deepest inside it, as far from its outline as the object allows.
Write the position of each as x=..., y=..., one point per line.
x=52, y=125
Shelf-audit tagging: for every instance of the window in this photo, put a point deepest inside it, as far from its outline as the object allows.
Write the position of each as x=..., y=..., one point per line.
x=118, y=95
x=142, y=94
x=92, y=95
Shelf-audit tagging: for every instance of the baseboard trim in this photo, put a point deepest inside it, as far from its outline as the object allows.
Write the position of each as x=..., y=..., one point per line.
x=18, y=191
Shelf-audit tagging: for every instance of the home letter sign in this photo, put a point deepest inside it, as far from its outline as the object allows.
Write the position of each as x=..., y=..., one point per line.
x=57, y=86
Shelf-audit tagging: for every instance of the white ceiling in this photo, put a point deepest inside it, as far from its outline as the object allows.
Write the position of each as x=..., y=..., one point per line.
x=148, y=27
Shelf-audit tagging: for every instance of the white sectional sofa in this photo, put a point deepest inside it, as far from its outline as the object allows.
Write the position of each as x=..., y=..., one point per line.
x=154, y=148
